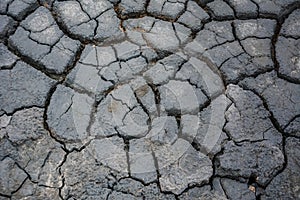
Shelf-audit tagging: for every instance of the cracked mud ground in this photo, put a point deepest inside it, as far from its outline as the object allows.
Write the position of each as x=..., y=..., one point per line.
x=150, y=99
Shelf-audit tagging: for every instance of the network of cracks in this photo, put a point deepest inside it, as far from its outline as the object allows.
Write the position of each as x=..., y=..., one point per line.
x=149, y=99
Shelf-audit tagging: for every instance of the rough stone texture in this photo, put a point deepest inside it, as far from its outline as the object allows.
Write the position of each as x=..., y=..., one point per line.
x=125, y=50
x=30, y=190
x=194, y=16
x=255, y=59
x=199, y=74
x=239, y=53
x=237, y=190
x=40, y=39
x=25, y=125
x=160, y=35
x=260, y=28
x=179, y=98
x=110, y=152
x=287, y=47
x=8, y=25
x=134, y=123
x=88, y=20
x=141, y=161
x=137, y=189
x=260, y=158
x=221, y=189
x=5, y=120
x=177, y=167
x=282, y=97
x=131, y=7
x=34, y=151
x=164, y=70
x=229, y=49
x=131, y=68
x=204, y=193
x=169, y=9
x=7, y=59
x=21, y=41
x=247, y=119
x=85, y=177
x=4, y=5
x=85, y=77
x=95, y=55
x=6, y=148
x=12, y=176
x=144, y=95
x=109, y=115
x=163, y=131
x=23, y=86
x=99, y=68
x=205, y=129
x=119, y=195
x=288, y=59
x=149, y=99
x=40, y=164
x=74, y=18
x=18, y=8
x=274, y=8
x=221, y=9
x=244, y=8
x=61, y=56
x=291, y=25
x=286, y=184
x=294, y=127
x=160, y=38
x=68, y=115
x=210, y=135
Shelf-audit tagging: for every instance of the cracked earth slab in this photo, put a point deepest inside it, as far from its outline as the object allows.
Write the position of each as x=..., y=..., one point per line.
x=23, y=148
x=172, y=99
x=39, y=39
x=17, y=93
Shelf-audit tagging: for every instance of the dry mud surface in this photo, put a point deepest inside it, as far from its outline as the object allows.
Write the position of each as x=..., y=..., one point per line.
x=150, y=99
